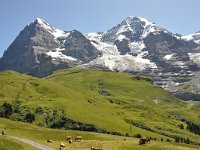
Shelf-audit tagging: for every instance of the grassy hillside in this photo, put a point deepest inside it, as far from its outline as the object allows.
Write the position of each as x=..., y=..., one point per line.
x=10, y=144
x=89, y=139
x=116, y=102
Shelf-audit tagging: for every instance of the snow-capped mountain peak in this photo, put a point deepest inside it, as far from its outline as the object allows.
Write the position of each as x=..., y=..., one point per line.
x=133, y=29
x=57, y=33
x=40, y=21
x=43, y=23
x=132, y=20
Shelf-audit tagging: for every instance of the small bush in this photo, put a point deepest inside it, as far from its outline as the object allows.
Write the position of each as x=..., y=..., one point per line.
x=138, y=135
x=30, y=117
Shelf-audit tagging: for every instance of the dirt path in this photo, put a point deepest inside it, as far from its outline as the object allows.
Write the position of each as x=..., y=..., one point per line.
x=35, y=144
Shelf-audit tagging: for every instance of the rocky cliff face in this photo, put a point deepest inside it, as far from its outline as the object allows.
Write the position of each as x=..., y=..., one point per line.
x=78, y=46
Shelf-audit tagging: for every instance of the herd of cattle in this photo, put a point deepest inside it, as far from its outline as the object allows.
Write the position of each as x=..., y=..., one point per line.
x=69, y=139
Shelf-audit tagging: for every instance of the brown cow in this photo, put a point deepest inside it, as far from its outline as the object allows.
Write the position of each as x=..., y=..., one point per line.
x=3, y=132
x=62, y=145
x=144, y=141
x=69, y=138
x=96, y=148
x=70, y=141
x=78, y=138
x=49, y=141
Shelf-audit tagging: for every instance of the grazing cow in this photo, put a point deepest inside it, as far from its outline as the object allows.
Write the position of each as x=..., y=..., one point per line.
x=49, y=141
x=69, y=138
x=144, y=141
x=70, y=141
x=62, y=145
x=96, y=148
x=3, y=132
x=78, y=138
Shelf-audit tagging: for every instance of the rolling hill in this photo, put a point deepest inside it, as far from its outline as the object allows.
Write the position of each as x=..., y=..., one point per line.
x=116, y=103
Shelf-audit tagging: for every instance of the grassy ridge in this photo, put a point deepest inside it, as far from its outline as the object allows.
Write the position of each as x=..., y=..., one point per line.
x=109, y=100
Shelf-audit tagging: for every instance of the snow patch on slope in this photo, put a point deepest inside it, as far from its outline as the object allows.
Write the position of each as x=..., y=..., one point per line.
x=194, y=36
x=93, y=36
x=149, y=27
x=60, y=37
x=168, y=57
x=112, y=59
x=154, y=29
x=195, y=57
x=121, y=37
x=58, y=54
x=136, y=47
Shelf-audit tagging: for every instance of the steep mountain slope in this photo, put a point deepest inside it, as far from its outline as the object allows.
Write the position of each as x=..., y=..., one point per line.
x=103, y=98
x=40, y=48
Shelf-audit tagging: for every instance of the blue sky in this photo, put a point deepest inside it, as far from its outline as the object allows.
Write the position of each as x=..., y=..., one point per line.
x=180, y=16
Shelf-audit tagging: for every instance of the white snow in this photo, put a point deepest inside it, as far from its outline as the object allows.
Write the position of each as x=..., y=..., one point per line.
x=147, y=22
x=124, y=28
x=188, y=37
x=136, y=47
x=121, y=37
x=130, y=24
x=149, y=27
x=58, y=54
x=194, y=36
x=40, y=21
x=168, y=57
x=57, y=33
x=94, y=36
x=147, y=31
x=112, y=59
x=195, y=57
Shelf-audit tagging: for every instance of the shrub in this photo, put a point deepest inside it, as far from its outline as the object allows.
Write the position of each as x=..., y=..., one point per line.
x=6, y=110
x=138, y=135
x=167, y=140
x=30, y=117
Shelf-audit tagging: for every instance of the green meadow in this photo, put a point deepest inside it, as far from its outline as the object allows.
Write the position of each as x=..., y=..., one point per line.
x=115, y=102
x=89, y=139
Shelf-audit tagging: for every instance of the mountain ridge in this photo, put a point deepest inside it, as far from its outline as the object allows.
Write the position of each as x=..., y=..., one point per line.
x=135, y=45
